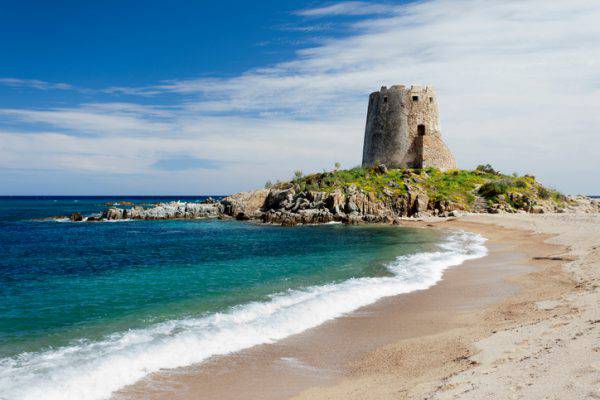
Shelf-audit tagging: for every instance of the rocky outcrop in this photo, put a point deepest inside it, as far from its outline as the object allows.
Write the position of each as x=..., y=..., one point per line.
x=582, y=204
x=173, y=210
x=76, y=217
x=379, y=199
x=245, y=205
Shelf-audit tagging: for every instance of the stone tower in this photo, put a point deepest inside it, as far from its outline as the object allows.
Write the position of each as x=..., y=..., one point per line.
x=403, y=129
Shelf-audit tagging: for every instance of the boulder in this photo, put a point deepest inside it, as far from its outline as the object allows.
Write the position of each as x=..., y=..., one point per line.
x=113, y=213
x=400, y=206
x=135, y=212
x=316, y=197
x=537, y=210
x=279, y=199
x=313, y=216
x=351, y=206
x=301, y=204
x=249, y=203
x=420, y=203
x=76, y=217
x=335, y=202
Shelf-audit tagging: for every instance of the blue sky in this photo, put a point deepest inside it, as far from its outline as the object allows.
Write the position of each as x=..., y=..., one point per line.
x=202, y=98
x=95, y=45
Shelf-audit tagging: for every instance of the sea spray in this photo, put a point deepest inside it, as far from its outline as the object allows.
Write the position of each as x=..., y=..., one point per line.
x=89, y=370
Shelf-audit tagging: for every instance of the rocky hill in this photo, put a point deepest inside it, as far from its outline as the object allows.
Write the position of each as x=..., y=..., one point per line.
x=377, y=195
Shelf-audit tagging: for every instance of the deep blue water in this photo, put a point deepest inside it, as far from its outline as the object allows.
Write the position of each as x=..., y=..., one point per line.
x=80, y=294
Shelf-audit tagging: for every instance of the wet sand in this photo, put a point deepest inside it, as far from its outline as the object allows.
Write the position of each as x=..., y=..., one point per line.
x=407, y=346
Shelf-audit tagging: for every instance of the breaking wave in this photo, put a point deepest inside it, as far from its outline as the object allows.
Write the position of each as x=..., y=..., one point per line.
x=89, y=370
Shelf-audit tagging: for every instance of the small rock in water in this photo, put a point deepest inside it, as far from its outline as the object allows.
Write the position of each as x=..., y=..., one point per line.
x=76, y=217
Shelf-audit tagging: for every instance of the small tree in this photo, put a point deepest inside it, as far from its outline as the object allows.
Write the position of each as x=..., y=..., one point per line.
x=337, y=166
x=268, y=185
x=298, y=174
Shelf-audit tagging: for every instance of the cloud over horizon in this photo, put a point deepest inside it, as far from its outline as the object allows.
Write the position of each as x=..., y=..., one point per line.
x=518, y=84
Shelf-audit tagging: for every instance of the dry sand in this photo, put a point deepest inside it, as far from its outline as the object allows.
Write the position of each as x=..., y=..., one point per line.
x=501, y=327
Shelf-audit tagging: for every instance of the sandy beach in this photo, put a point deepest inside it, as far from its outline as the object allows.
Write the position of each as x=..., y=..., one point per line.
x=522, y=322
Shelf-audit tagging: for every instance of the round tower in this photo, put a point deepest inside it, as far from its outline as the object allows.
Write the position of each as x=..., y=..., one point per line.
x=403, y=129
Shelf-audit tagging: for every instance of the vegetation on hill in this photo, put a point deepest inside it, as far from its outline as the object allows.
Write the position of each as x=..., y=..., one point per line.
x=465, y=189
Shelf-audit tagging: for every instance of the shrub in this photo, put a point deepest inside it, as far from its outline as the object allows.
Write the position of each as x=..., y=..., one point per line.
x=298, y=174
x=521, y=184
x=268, y=185
x=493, y=189
x=487, y=168
x=544, y=193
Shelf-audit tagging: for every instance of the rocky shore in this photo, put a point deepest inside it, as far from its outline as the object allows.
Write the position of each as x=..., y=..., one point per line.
x=300, y=202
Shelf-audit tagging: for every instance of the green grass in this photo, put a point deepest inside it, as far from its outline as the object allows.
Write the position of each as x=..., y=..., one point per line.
x=455, y=186
x=366, y=179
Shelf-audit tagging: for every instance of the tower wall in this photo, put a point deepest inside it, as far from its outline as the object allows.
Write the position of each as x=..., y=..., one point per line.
x=403, y=129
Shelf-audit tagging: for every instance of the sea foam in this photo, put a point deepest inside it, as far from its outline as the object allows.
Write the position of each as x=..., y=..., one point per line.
x=93, y=370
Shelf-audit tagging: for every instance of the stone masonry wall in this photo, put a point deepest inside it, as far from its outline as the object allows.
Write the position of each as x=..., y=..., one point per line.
x=396, y=118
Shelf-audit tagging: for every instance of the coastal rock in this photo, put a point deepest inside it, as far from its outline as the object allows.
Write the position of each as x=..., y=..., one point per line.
x=400, y=206
x=113, y=214
x=287, y=218
x=301, y=204
x=284, y=218
x=173, y=210
x=421, y=202
x=76, y=217
x=537, y=210
x=313, y=216
x=353, y=218
x=119, y=203
x=582, y=204
x=364, y=203
x=279, y=199
x=249, y=204
x=405, y=194
x=335, y=202
x=315, y=197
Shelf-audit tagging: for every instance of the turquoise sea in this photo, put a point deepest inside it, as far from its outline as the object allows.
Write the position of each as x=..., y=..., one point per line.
x=87, y=308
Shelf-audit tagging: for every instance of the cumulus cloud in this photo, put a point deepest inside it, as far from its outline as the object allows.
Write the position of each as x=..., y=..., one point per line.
x=518, y=84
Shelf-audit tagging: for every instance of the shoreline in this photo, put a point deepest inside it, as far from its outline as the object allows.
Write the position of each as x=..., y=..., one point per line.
x=366, y=354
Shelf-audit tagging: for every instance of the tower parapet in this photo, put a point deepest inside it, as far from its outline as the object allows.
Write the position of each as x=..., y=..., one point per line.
x=403, y=129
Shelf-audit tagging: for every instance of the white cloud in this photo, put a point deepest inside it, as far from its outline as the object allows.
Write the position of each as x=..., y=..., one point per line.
x=518, y=84
x=35, y=84
x=107, y=119
x=346, y=8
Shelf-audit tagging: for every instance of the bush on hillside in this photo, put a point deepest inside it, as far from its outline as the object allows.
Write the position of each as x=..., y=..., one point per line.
x=544, y=193
x=493, y=189
x=487, y=169
x=521, y=184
